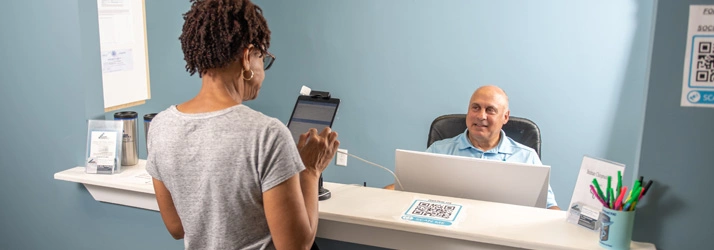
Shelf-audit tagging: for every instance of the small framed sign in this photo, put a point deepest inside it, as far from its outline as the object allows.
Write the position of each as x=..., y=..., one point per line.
x=104, y=138
x=584, y=209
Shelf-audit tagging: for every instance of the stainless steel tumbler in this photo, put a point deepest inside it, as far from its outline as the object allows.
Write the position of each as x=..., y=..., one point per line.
x=147, y=122
x=129, y=145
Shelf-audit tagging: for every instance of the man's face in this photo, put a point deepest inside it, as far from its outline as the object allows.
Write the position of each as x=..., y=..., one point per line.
x=488, y=112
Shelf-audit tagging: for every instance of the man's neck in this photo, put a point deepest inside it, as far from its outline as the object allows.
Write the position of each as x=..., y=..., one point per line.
x=485, y=145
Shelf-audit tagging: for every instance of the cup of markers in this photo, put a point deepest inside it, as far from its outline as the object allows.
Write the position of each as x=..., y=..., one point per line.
x=618, y=211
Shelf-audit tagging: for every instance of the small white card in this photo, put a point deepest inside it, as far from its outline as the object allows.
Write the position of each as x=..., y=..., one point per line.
x=141, y=177
x=589, y=212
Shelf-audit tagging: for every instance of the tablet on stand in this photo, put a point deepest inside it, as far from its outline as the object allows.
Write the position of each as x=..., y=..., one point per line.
x=317, y=111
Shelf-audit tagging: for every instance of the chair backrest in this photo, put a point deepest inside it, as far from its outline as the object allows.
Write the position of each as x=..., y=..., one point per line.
x=520, y=129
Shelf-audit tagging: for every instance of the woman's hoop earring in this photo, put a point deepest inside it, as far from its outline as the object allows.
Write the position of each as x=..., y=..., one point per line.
x=251, y=75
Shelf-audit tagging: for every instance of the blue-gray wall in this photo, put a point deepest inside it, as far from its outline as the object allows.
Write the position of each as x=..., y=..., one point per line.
x=577, y=69
x=50, y=86
x=677, y=149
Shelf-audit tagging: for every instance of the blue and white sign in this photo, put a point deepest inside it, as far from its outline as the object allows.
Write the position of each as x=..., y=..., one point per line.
x=698, y=80
x=433, y=212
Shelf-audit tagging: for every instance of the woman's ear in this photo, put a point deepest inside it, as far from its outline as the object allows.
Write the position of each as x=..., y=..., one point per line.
x=245, y=59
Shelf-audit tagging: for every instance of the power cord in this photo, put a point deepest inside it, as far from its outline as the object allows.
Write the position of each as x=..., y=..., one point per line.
x=375, y=164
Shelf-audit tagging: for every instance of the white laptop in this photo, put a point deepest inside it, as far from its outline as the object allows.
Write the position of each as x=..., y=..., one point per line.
x=472, y=178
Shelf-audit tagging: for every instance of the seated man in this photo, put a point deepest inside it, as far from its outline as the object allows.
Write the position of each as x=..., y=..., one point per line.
x=483, y=138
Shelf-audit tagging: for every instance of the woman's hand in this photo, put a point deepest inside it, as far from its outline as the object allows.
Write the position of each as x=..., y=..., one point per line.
x=317, y=150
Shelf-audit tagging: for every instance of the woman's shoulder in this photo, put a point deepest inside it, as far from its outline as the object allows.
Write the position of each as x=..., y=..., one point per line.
x=258, y=120
x=248, y=114
x=164, y=115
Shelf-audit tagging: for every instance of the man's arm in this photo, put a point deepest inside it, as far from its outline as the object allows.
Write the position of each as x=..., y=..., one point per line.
x=550, y=201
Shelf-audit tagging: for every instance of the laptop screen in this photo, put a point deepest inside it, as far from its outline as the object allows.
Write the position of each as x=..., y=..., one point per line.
x=311, y=112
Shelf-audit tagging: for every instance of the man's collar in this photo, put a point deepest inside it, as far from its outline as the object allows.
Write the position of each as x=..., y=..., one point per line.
x=504, y=146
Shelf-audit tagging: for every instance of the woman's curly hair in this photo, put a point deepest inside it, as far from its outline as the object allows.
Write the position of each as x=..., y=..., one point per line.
x=215, y=32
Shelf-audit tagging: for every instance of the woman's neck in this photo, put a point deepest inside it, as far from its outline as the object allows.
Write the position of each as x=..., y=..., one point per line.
x=218, y=92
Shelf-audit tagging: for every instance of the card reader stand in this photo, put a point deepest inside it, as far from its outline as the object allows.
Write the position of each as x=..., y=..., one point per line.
x=323, y=193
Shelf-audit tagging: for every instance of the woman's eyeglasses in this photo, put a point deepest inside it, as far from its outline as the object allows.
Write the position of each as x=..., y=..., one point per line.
x=268, y=60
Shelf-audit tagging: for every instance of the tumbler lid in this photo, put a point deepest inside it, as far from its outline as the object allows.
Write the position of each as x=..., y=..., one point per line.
x=149, y=117
x=125, y=115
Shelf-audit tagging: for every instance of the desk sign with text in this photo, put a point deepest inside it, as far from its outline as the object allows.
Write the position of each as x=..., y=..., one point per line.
x=698, y=79
x=104, y=138
x=433, y=212
x=585, y=208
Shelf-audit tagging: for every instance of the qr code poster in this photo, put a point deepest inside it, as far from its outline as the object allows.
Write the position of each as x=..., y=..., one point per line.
x=701, y=70
x=698, y=79
x=433, y=212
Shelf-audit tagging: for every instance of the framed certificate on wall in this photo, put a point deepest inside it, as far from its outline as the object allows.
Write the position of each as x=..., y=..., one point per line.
x=124, y=54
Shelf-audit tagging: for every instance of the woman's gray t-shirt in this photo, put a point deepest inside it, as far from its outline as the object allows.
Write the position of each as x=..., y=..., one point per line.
x=217, y=166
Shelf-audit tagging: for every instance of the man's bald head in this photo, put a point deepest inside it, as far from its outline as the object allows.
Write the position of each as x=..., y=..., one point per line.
x=494, y=92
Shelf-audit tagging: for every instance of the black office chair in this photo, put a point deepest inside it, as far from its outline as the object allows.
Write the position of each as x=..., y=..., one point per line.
x=520, y=129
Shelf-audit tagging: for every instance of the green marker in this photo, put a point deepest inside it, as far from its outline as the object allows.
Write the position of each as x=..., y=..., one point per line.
x=599, y=191
x=634, y=190
x=619, y=183
x=635, y=196
x=609, y=190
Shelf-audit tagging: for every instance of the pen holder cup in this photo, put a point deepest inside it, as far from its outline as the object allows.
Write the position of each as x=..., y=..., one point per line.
x=616, y=228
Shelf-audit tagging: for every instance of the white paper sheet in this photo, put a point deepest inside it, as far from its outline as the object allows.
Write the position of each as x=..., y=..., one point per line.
x=117, y=60
x=141, y=177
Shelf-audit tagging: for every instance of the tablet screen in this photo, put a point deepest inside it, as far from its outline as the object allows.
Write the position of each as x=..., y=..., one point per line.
x=312, y=113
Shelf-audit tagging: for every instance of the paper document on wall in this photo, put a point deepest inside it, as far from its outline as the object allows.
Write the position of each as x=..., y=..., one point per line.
x=584, y=207
x=119, y=3
x=123, y=53
x=698, y=79
x=115, y=23
x=117, y=60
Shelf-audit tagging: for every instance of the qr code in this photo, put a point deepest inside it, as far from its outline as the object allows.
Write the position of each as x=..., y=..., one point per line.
x=431, y=209
x=702, y=68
